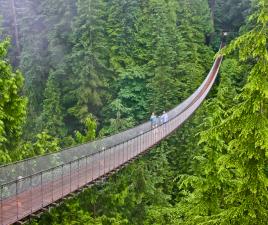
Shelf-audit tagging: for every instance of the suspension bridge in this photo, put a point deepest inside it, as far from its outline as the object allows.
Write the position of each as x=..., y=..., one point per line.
x=33, y=185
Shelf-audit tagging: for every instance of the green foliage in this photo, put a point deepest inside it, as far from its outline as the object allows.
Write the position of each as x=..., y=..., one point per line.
x=12, y=106
x=52, y=115
x=88, y=58
x=90, y=132
x=34, y=60
x=207, y=181
x=128, y=86
x=43, y=144
x=247, y=143
x=232, y=185
x=119, y=123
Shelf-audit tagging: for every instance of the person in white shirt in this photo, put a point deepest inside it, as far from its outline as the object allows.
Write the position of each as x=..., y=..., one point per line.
x=164, y=117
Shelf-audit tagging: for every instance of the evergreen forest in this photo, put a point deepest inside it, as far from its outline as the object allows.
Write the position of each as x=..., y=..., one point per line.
x=73, y=71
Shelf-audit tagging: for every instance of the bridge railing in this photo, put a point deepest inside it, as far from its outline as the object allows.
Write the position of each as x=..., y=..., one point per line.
x=49, y=178
x=37, y=164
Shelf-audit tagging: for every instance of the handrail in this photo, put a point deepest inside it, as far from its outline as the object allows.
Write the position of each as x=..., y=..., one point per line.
x=99, y=144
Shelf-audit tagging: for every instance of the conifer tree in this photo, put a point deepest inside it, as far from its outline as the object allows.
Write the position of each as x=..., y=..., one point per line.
x=163, y=81
x=246, y=130
x=206, y=198
x=235, y=188
x=89, y=58
x=34, y=61
x=59, y=15
x=128, y=83
x=193, y=55
x=52, y=115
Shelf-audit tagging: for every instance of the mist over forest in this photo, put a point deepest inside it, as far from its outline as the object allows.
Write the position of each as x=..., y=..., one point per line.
x=73, y=71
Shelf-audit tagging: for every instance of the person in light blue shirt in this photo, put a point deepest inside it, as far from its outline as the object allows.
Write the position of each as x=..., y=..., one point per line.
x=164, y=117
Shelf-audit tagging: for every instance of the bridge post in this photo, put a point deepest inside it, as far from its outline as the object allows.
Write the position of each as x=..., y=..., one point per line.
x=1, y=196
x=123, y=152
x=31, y=191
x=89, y=169
x=92, y=163
x=103, y=161
x=144, y=140
x=141, y=149
x=127, y=149
x=86, y=175
x=163, y=130
x=113, y=157
x=159, y=136
x=17, y=201
x=140, y=143
x=99, y=163
x=147, y=139
x=116, y=156
x=78, y=166
x=132, y=148
x=52, y=183
x=110, y=159
x=107, y=161
x=61, y=180
x=151, y=137
x=70, y=168
x=120, y=154
x=42, y=193
x=92, y=166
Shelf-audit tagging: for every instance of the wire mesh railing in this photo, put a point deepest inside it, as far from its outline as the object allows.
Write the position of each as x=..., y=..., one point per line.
x=46, y=179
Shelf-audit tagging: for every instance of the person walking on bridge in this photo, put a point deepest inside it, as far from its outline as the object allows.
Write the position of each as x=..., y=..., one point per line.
x=164, y=117
x=153, y=120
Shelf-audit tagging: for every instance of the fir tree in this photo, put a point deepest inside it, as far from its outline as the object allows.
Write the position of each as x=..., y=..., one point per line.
x=52, y=116
x=89, y=58
x=246, y=130
x=232, y=189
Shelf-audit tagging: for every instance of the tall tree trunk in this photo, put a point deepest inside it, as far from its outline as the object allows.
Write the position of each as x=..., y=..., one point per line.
x=212, y=4
x=15, y=27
